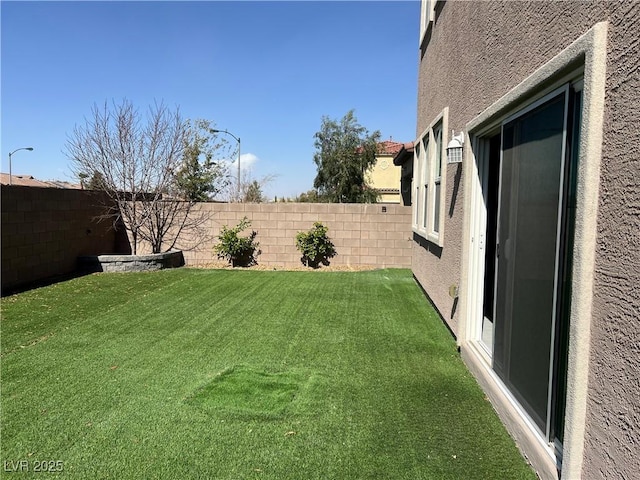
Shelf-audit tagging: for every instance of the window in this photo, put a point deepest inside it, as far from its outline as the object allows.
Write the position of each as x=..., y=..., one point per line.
x=437, y=180
x=416, y=188
x=425, y=183
x=426, y=17
x=430, y=175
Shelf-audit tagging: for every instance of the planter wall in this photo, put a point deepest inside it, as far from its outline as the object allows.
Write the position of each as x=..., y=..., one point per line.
x=131, y=263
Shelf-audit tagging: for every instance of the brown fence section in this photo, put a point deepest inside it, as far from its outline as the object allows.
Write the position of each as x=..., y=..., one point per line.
x=375, y=235
x=44, y=230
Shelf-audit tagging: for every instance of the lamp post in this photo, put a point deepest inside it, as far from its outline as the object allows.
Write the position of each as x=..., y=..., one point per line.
x=238, y=140
x=11, y=153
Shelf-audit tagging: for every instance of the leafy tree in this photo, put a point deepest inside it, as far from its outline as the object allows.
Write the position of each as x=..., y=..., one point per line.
x=251, y=188
x=134, y=157
x=345, y=152
x=83, y=179
x=253, y=193
x=239, y=251
x=310, y=196
x=316, y=246
x=200, y=178
x=96, y=182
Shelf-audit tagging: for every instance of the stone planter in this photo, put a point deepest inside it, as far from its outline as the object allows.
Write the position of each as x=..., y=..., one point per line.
x=131, y=263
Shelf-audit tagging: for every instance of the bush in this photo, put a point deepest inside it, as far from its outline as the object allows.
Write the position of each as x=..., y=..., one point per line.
x=316, y=247
x=239, y=251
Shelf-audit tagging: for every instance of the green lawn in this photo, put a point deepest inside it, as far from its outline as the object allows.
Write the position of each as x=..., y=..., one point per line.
x=242, y=375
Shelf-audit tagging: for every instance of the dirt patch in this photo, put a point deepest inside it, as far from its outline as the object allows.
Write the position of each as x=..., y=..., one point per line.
x=287, y=268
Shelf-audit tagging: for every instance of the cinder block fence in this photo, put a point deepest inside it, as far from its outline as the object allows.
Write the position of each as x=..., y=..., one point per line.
x=45, y=230
x=374, y=235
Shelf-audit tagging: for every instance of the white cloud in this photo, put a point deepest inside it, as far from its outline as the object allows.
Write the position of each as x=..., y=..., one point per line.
x=247, y=161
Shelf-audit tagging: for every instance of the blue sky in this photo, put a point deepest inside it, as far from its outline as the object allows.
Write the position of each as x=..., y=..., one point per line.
x=266, y=71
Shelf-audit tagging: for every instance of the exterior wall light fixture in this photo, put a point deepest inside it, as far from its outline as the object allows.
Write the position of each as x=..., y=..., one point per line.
x=454, y=148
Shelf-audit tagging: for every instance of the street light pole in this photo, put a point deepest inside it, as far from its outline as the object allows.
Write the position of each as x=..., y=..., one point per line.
x=238, y=140
x=11, y=153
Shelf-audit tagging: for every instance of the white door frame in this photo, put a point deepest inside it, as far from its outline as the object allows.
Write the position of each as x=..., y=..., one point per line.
x=589, y=50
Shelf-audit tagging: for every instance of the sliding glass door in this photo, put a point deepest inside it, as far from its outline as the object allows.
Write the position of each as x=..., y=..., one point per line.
x=527, y=252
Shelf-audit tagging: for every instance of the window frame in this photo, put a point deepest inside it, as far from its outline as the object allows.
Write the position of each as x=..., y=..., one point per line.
x=427, y=15
x=588, y=54
x=427, y=158
x=436, y=165
x=424, y=181
x=415, y=191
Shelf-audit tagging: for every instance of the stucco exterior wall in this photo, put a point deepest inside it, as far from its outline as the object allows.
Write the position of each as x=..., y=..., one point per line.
x=438, y=268
x=474, y=54
x=612, y=443
x=385, y=175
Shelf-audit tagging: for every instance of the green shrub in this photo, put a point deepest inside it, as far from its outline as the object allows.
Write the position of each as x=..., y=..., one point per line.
x=239, y=251
x=316, y=247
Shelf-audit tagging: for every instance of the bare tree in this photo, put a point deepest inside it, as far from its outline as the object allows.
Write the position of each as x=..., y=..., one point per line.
x=251, y=188
x=137, y=157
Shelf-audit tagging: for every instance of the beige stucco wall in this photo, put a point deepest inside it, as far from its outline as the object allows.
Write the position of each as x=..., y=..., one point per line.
x=612, y=443
x=475, y=54
x=386, y=175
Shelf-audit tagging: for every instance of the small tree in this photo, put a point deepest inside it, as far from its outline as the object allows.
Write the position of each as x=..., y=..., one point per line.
x=251, y=188
x=239, y=251
x=200, y=177
x=136, y=158
x=96, y=182
x=315, y=245
x=310, y=196
x=345, y=153
x=254, y=194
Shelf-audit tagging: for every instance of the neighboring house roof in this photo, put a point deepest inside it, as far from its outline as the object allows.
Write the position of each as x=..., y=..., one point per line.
x=403, y=154
x=22, y=180
x=30, y=181
x=389, y=147
x=64, y=184
x=386, y=147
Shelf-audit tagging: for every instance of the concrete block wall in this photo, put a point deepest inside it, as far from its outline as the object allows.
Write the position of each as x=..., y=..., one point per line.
x=363, y=234
x=44, y=230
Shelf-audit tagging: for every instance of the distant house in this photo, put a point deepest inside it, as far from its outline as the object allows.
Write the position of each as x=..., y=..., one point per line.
x=385, y=176
x=30, y=181
x=22, y=180
x=527, y=228
x=404, y=159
